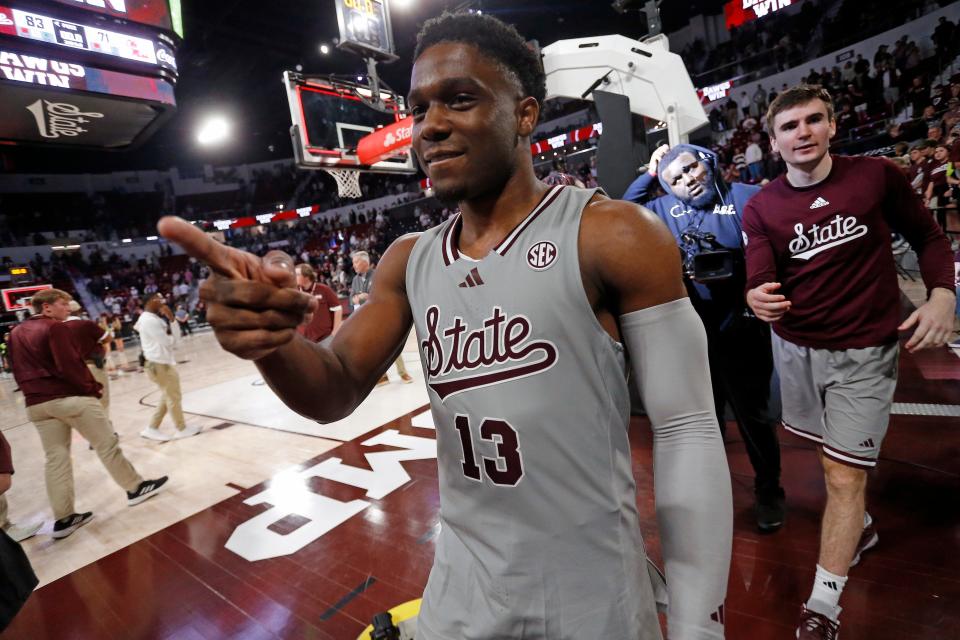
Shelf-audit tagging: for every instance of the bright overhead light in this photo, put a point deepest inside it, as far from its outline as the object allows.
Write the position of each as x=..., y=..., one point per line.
x=324, y=49
x=214, y=130
x=400, y=4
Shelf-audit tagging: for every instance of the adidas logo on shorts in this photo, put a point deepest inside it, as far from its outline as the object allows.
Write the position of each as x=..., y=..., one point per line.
x=819, y=202
x=867, y=444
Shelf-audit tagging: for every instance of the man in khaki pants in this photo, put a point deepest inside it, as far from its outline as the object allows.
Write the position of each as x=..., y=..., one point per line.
x=61, y=395
x=156, y=342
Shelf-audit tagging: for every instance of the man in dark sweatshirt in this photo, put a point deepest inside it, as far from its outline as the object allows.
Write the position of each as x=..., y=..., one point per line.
x=704, y=215
x=820, y=269
x=61, y=394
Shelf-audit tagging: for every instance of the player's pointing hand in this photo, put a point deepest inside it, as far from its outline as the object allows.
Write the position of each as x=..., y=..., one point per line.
x=252, y=303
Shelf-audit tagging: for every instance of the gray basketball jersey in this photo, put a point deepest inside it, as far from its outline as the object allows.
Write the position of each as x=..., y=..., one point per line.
x=539, y=530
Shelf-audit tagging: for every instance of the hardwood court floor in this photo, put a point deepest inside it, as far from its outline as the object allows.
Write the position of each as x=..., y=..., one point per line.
x=343, y=534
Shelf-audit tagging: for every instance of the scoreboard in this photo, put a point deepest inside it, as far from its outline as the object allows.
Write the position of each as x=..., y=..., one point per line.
x=156, y=13
x=87, y=73
x=365, y=28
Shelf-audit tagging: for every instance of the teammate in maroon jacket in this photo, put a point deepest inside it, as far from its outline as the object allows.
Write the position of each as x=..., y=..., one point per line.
x=820, y=269
x=60, y=395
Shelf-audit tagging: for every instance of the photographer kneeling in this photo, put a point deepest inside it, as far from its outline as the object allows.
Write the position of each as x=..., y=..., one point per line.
x=704, y=214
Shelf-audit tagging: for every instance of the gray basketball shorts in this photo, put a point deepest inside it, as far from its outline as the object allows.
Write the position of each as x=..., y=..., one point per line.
x=839, y=399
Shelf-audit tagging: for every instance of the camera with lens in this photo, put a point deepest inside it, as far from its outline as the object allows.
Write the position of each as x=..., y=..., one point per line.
x=704, y=259
x=383, y=628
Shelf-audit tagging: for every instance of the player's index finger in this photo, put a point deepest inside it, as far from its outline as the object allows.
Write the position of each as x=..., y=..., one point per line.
x=198, y=244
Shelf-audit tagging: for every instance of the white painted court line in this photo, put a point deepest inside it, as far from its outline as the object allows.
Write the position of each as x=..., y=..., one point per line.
x=920, y=409
x=249, y=400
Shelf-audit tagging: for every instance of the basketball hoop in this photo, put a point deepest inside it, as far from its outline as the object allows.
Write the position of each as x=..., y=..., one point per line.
x=348, y=181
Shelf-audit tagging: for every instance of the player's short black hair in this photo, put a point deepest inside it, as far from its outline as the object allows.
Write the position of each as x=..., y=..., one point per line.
x=499, y=41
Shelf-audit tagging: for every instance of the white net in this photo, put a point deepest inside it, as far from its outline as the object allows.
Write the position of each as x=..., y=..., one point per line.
x=348, y=182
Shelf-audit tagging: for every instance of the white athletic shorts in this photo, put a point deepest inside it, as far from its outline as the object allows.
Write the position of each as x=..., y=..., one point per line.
x=839, y=399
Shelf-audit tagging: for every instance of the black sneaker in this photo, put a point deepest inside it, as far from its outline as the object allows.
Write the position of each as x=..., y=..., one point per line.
x=146, y=490
x=65, y=526
x=770, y=510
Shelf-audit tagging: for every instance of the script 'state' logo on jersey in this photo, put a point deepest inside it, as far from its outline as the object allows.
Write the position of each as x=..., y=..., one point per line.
x=500, y=350
x=819, y=238
x=542, y=255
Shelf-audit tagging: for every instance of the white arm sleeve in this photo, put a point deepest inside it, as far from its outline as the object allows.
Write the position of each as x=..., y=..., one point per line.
x=668, y=348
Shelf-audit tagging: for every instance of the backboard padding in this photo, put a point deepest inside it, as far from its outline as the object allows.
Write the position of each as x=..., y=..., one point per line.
x=329, y=119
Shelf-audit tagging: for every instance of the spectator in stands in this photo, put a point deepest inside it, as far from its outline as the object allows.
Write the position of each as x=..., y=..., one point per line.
x=753, y=156
x=918, y=95
x=918, y=168
x=359, y=292
x=952, y=116
x=731, y=115
x=942, y=179
x=201, y=312
x=182, y=316
x=913, y=57
x=889, y=81
x=759, y=101
x=61, y=395
x=740, y=163
x=745, y=103
x=5, y=355
x=846, y=120
x=157, y=340
x=116, y=329
x=329, y=314
x=943, y=37
x=882, y=56
x=935, y=135
x=953, y=142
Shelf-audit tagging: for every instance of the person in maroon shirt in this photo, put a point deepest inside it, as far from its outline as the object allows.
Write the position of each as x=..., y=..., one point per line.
x=820, y=268
x=918, y=168
x=941, y=180
x=90, y=338
x=61, y=394
x=329, y=314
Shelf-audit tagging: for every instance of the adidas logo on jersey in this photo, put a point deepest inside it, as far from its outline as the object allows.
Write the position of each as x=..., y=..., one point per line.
x=473, y=279
x=717, y=616
x=819, y=202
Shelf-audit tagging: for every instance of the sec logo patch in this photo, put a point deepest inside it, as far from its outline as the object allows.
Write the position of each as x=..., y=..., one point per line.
x=542, y=255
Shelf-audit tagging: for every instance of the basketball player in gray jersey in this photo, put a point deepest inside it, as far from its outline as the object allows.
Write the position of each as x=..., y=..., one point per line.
x=525, y=306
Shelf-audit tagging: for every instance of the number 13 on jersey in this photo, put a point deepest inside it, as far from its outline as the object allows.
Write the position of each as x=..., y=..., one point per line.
x=506, y=469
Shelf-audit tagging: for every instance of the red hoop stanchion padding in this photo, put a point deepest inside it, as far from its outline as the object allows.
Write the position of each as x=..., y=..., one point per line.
x=385, y=142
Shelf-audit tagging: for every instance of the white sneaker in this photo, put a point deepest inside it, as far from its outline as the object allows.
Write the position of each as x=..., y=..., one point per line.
x=187, y=432
x=154, y=434
x=21, y=532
